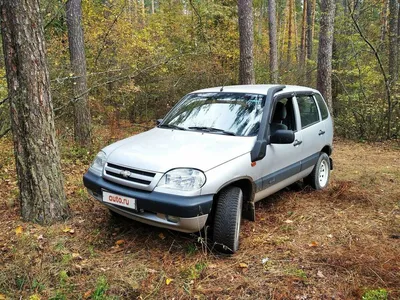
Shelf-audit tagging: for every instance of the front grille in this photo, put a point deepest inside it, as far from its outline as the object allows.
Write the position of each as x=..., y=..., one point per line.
x=132, y=179
x=139, y=172
x=128, y=174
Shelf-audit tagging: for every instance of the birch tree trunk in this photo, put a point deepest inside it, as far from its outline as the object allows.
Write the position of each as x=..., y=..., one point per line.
x=82, y=118
x=324, y=73
x=273, y=44
x=246, y=67
x=36, y=153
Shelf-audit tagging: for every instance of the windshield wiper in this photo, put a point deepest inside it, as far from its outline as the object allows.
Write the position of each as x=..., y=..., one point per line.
x=171, y=126
x=212, y=129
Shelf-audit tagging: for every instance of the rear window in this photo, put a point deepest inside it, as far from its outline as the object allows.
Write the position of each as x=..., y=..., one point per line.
x=322, y=106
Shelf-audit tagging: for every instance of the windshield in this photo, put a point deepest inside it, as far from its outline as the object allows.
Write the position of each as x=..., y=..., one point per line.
x=232, y=113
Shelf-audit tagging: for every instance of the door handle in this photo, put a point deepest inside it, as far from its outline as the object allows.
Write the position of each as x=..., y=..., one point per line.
x=321, y=132
x=297, y=142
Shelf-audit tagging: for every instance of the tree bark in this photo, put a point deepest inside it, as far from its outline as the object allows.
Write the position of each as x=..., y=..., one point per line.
x=290, y=33
x=384, y=24
x=246, y=37
x=273, y=45
x=393, y=44
x=303, y=41
x=324, y=73
x=82, y=118
x=37, y=158
x=310, y=27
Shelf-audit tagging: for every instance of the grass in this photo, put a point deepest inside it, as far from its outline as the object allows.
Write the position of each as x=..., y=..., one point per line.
x=338, y=243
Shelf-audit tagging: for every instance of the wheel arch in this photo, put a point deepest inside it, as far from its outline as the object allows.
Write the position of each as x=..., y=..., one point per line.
x=248, y=187
x=327, y=149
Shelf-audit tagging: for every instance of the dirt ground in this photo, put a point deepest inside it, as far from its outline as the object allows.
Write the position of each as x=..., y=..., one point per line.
x=340, y=243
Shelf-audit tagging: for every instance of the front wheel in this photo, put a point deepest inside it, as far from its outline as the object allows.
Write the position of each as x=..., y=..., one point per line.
x=319, y=177
x=228, y=215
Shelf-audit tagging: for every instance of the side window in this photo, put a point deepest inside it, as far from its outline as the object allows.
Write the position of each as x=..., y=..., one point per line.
x=283, y=116
x=308, y=110
x=322, y=106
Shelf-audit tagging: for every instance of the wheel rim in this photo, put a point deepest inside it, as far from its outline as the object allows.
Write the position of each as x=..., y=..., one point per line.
x=239, y=219
x=323, y=173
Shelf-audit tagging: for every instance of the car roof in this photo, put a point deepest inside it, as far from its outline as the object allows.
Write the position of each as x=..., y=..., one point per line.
x=255, y=89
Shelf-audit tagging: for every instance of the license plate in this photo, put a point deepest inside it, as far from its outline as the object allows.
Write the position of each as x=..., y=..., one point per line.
x=119, y=200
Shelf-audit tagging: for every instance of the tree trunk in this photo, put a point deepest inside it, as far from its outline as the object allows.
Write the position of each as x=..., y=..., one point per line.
x=385, y=4
x=152, y=7
x=290, y=33
x=310, y=27
x=246, y=67
x=324, y=73
x=303, y=41
x=273, y=45
x=37, y=158
x=78, y=64
x=393, y=45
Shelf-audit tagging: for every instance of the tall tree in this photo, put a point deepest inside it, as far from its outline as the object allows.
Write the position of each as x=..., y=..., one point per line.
x=290, y=32
x=324, y=72
x=393, y=40
x=37, y=158
x=246, y=66
x=385, y=4
x=303, y=43
x=310, y=27
x=273, y=44
x=82, y=118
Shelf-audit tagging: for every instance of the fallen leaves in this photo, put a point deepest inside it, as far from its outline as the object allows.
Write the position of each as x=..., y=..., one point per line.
x=243, y=265
x=313, y=244
x=119, y=242
x=76, y=256
x=87, y=294
x=168, y=281
x=69, y=230
x=18, y=230
x=320, y=274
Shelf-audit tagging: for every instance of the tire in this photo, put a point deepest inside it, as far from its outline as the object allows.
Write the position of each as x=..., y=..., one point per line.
x=319, y=177
x=228, y=215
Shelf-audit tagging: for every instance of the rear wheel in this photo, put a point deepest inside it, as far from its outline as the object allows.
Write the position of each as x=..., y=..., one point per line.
x=319, y=177
x=228, y=215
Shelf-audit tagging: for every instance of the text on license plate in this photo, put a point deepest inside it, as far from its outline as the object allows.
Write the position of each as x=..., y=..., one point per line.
x=119, y=200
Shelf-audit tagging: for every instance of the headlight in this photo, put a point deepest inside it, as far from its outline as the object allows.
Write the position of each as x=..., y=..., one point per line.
x=183, y=180
x=98, y=162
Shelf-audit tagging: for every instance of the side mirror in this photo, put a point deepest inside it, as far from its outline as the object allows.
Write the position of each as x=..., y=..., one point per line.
x=282, y=136
x=159, y=121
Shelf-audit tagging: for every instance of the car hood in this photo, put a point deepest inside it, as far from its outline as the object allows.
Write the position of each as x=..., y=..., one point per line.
x=160, y=150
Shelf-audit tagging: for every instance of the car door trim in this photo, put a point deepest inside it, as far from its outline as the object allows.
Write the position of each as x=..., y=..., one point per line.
x=287, y=172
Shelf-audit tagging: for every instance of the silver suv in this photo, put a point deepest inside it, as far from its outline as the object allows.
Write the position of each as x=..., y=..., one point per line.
x=215, y=154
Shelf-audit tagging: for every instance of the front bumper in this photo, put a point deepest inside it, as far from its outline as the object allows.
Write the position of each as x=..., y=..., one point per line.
x=153, y=208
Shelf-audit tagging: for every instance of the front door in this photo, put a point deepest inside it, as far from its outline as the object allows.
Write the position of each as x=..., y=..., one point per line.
x=281, y=163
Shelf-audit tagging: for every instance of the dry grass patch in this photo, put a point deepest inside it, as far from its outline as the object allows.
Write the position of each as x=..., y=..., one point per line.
x=340, y=243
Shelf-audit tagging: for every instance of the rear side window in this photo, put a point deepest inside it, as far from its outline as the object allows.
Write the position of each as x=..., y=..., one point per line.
x=308, y=110
x=322, y=106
